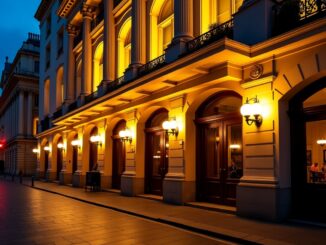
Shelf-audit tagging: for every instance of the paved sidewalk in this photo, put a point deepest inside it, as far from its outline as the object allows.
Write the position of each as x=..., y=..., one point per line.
x=219, y=224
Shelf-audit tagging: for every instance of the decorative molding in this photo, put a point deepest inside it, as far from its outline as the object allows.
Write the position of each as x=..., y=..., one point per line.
x=88, y=11
x=72, y=29
x=256, y=71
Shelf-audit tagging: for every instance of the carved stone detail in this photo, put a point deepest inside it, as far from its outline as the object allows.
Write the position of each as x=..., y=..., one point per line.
x=72, y=29
x=256, y=71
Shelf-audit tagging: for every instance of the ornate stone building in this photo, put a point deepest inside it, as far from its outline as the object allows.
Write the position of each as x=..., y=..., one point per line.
x=150, y=95
x=19, y=108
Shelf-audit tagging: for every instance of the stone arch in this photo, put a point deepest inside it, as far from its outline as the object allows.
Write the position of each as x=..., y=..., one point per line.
x=140, y=140
x=123, y=34
x=42, y=170
x=69, y=151
x=193, y=103
x=86, y=146
x=55, y=152
x=59, y=87
x=98, y=65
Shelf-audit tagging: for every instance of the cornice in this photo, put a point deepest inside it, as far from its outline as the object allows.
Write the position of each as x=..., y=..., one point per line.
x=42, y=8
x=65, y=7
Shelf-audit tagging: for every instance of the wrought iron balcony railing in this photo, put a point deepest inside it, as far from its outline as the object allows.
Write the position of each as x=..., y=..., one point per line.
x=289, y=14
x=223, y=30
x=72, y=106
x=152, y=65
x=57, y=114
x=91, y=97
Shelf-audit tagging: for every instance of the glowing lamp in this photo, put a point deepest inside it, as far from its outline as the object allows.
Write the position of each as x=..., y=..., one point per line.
x=235, y=146
x=76, y=143
x=126, y=135
x=61, y=146
x=47, y=148
x=36, y=150
x=252, y=111
x=171, y=127
x=321, y=142
x=96, y=139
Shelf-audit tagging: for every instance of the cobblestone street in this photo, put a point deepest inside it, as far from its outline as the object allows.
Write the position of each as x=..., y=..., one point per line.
x=31, y=216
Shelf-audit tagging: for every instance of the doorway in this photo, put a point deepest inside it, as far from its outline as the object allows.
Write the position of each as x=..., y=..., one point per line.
x=93, y=151
x=59, y=159
x=157, y=143
x=46, y=163
x=219, y=148
x=308, y=152
x=118, y=155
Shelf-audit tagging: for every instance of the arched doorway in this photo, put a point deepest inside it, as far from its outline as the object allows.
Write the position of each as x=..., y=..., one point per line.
x=156, y=158
x=74, y=156
x=308, y=151
x=59, y=158
x=219, y=160
x=93, y=151
x=118, y=155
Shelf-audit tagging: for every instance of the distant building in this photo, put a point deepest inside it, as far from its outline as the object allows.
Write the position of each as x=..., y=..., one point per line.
x=19, y=108
x=150, y=91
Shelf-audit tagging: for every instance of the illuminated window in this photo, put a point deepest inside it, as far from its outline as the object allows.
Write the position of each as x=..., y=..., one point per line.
x=78, y=79
x=98, y=66
x=46, y=97
x=124, y=47
x=35, y=123
x=59, y=88
x=215, y=12
x=162, y=26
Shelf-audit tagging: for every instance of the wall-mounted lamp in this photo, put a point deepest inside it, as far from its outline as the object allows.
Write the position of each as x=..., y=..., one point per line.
x=61, y=146
x=76, y=143
x=171, y=127
x=125, y=135
x=47, y=148
x=235, y=146
x=36, y=150
x=321, y=142
x=252, y=111
x=96, y=139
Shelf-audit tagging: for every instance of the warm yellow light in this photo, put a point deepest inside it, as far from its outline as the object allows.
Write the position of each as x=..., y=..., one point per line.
x=96, y=138
x=36, y=150
x=321, y=142
x=166, y=125
x=47, y=148
x=245, y=110
x=252, y=111
x=61, y=146
x=76, y=143
x=235, y=146
x=126, y=135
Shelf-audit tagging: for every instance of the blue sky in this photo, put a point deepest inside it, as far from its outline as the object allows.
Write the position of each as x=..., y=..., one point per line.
x=16, y=20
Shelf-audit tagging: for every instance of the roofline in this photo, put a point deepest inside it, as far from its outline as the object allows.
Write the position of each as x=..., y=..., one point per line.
x=42, y=8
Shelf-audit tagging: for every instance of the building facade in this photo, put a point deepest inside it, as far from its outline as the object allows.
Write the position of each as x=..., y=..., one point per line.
x=151, y=97
x=19, y=108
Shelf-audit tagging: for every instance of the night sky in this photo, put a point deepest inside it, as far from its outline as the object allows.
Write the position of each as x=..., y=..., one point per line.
x=16, y=20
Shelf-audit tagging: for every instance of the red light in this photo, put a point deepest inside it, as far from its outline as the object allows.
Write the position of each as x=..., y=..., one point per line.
x=1, y=145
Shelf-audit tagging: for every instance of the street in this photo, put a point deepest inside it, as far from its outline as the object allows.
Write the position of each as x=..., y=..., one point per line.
x=31, y=216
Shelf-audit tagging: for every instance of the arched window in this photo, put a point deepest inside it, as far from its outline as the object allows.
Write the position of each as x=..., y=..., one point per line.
x=78, y=79
x=124, y=47
x=59, y=88
x=215, y=12
x=98, y=66
x=161, y=26
x=46, y=95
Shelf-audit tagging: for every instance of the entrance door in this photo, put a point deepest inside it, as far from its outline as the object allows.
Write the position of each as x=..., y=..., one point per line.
x=59, y=163
x=219, y=149
x=118, y=155
x=93, y=151
x=74, y=159
x=308, y=152
x=46, y=163
x=156, y=153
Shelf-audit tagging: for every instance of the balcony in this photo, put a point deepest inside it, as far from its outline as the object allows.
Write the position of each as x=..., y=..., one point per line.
x=45, y=124
x=291, y=14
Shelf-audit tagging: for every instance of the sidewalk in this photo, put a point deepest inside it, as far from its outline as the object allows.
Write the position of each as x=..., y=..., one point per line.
x=218, y=224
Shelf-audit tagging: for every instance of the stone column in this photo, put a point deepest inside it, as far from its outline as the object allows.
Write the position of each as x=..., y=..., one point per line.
x=183, y=26
x=21, y=118
x=138, y=37
x=70, y=72
x=30, y=114
x=88, y=13
x=109, y=43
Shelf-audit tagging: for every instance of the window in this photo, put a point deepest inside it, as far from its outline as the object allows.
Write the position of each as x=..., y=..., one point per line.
x=59, y=42
x=47, y=56
x=162, y=26
x=48, y=25
x=124, y=47
x=46, y=95
x=216, y=12
x=36, y=66
x=35, y=123
x=59, y=88
x=98, y=66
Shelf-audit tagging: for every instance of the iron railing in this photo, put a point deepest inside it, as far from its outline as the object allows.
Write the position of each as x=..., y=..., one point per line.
x=223, y=30
x=57, y=114
x=72, y=106
x=91, y=97
x=152, y=65
x=45, y=123
x=289, y=14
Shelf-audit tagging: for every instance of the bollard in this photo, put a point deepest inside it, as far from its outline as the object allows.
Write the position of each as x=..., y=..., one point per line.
x=32, y=181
